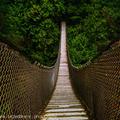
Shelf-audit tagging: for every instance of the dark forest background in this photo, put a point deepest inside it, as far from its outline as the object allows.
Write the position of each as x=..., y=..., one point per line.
x=33, y=27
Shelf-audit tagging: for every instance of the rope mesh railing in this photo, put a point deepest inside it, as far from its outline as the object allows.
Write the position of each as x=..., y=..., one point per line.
x=98, y=84
x=24, y=88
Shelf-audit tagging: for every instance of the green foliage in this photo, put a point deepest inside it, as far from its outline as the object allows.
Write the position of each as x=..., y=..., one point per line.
x=81, y=50
x=33, y=27
x=93, y=25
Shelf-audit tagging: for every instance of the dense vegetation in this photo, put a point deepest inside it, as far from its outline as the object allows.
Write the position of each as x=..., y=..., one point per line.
x=93, y=26
x=33, y=27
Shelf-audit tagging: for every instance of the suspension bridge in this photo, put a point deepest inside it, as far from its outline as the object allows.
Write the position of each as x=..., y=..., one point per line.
x=61, y=92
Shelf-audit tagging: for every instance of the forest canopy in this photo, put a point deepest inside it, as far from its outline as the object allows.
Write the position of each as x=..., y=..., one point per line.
x=93, y=26
x=32, y=26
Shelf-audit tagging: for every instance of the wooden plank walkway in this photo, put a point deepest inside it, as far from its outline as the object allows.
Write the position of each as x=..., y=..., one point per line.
x=64, y=105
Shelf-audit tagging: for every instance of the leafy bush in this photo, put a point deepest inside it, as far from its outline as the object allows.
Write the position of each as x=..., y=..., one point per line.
x=33, y=27
x=94, y=25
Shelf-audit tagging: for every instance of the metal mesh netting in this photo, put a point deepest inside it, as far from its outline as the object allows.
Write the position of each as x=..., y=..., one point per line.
x=24, y=88
x=98, y=84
